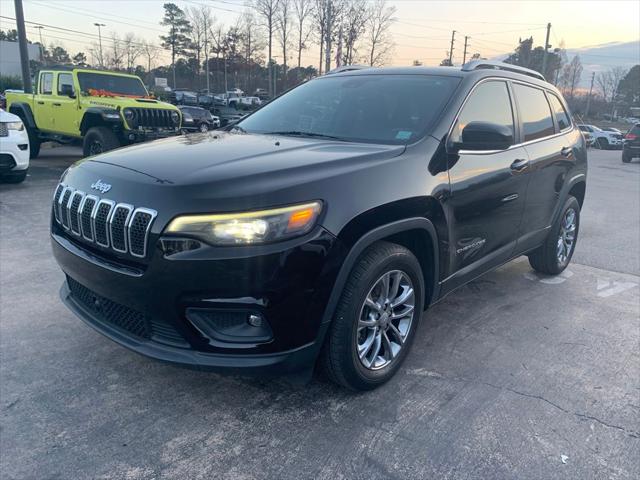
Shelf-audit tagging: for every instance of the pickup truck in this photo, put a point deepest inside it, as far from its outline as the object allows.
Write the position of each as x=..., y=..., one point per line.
x=103, y=109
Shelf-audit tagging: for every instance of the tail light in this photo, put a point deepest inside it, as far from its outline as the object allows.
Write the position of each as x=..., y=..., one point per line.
x=631, y=136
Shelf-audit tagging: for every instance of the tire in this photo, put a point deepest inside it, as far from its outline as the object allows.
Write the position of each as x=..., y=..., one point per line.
x=626, y=158
x=98, y=140
x=34, y=143
x=203, y=127
x=14, y=177
x=603, y=144
x=548, y=258
x=339, y=357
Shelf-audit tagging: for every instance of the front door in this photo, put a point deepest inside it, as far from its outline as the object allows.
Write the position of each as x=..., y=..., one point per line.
x=488, y=189
x=65, y=107
x=43, y=102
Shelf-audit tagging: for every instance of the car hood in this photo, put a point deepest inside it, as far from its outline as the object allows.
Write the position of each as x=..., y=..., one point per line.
x=127, y=102
x=220, y=157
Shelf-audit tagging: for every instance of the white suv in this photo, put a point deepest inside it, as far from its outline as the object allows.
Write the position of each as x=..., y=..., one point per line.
x=603, y=139
x=14, y=148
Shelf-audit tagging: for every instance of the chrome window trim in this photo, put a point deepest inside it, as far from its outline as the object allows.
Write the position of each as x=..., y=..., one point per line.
x=61, y=206
x=517, y=145
x=111, y=203
x=153, y=214
x=81, y=210
x=125, y=226
x=73, y=195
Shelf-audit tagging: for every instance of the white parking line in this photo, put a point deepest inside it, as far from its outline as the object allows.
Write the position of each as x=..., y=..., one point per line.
x=607, y=288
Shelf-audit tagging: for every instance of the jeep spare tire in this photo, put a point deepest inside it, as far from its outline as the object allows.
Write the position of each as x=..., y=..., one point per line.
x=99, y=140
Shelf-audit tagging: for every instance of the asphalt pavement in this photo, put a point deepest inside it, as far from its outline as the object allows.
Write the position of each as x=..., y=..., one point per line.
x=513, y=376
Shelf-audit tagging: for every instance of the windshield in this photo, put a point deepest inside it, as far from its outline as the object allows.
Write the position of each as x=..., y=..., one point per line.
x=390, y=109
x=111, y=83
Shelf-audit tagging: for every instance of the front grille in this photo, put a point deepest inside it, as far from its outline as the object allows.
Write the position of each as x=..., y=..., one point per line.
x=125, y=318
x=110, y=312
x=117, y=226
x=152, y=118
x=4, y=131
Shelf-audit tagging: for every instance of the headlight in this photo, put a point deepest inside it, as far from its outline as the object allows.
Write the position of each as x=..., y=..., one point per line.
x=19, y=126
x=251, y=227
x=129, y=115
x=111, y=114
x=175, y=117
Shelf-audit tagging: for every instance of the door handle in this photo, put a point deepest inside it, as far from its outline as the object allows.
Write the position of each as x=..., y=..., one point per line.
x=57, y=104
x=566, y=152
x=40, y=102
x=520, y=165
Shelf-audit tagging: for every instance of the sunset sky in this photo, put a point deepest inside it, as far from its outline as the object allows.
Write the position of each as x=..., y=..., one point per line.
x=422, y=30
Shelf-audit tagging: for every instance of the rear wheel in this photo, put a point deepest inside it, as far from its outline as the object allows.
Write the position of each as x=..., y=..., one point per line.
x=626, y=158
x=98, y=140
x=376, y=318
x=603, y=143
x=553, y=256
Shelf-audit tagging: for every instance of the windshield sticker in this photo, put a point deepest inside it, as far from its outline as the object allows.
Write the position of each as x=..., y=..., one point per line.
x=403, y=135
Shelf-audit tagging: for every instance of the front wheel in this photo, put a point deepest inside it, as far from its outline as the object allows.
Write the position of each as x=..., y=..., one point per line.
x=626, y=158
x=376, y=318
x=98, y=140
x=204, y=127
x=603, y=144
x=553, y=256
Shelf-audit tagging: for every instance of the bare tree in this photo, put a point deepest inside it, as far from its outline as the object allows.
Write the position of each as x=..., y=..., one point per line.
x=354, y=26
x=378, y=25
x=267, y=10
x=617, y=74
x=302, y=10
x=198, y=35
x=116, y=52
x=333, y=20
x=284, y=34
x=604, y=81
x=132, y=50
x=319, y=14
x=252, y=43
x=151, y=53
x=571, y=75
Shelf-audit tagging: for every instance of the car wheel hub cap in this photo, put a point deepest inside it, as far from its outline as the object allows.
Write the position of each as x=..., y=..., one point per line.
x=567, y=236
x=385, y=320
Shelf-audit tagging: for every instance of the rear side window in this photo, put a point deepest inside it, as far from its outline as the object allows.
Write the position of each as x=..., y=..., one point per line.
x=561, y=114
x=489, y=102
x=46, y=83
x=534, y=111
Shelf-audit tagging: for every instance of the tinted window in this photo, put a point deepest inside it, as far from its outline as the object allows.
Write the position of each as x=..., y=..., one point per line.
x=393, y=109
x=489, y=102
x=46, y=83
x=534, y=111
x=65, y=79
x=111, y=84
x=561, y=114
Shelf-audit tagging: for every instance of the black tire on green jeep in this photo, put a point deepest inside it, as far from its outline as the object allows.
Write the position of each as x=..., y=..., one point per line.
x=98, y=140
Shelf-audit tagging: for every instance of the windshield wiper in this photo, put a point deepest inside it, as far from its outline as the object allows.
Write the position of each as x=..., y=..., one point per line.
x=297, y=133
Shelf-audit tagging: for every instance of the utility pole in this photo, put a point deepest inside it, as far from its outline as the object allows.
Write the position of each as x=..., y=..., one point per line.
x=453, y=38
x=464, y=55
x=546, y=49
x=327, y=48
x=586, y=110
x=40, y=27
x=22, y=44
x=101, y=59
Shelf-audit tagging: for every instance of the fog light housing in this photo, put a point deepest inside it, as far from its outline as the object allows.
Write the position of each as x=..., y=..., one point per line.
x=227, y=328
x=255, y=320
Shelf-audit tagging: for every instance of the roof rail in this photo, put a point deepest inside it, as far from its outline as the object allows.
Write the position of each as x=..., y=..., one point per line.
x=347, y=68
x=489, y=65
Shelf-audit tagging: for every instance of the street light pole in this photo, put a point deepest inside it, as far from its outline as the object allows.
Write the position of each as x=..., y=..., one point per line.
x=22, y=45
x=101, y=59
x=40, y=27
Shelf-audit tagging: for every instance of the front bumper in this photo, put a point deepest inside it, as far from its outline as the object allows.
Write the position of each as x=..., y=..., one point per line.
x=15, y=145
x=136, y=136
x=289, y=285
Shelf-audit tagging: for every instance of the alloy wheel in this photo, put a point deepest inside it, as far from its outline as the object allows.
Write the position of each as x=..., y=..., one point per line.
x=204, y=127
x=95, y=148
x=385, y=320
x=567, y=236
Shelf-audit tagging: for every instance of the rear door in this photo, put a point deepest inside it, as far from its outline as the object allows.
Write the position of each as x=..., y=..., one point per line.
x=549, y=139
x=488, y=188
x=43, y=102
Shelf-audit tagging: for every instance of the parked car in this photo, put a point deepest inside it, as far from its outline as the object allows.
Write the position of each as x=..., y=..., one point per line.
x=262, y=94
x=198, y=119
x=611, y=129
x=105, y=110
x=323, y=225
x=631, y=146
x=184, y=97
x=14, y=148
x=589, y=138
x=603, y=139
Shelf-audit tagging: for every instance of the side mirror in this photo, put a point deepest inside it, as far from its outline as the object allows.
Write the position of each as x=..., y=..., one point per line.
x=67, y=90
x=485, y=136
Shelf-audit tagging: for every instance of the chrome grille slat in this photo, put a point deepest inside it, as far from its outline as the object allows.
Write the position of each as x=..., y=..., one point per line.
x=152, y=118
x=120, y=227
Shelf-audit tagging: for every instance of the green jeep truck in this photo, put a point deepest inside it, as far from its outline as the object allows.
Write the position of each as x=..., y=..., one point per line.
x=104, y=109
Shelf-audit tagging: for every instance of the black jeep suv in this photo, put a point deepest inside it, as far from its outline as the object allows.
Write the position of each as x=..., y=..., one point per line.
x=321, y=226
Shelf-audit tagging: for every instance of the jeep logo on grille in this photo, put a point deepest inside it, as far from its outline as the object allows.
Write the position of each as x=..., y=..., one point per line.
x=101, y=186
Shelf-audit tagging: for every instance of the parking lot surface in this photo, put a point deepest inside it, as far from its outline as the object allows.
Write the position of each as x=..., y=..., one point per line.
x=513, y=376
